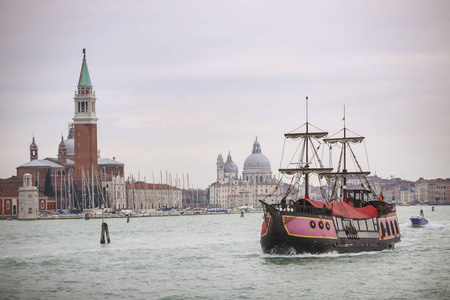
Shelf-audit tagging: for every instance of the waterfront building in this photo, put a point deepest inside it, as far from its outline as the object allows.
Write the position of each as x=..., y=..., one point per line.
x=15, y=194
x=28, y=200
x=256, y=183
x=9, y=198
x=433, y=191
x=149, y=197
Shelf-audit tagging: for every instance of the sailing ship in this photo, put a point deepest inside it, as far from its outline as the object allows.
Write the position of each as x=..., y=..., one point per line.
x=348, y=220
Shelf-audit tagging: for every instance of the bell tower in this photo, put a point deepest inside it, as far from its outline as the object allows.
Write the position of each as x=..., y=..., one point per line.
x=62, y=152
x=220, y=168
x=85, y=125
x=33, y=150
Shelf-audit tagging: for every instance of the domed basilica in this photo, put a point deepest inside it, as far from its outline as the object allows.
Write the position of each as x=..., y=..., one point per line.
x=256, y=183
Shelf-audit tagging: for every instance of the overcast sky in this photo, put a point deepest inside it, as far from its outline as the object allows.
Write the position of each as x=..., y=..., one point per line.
x=178, y=82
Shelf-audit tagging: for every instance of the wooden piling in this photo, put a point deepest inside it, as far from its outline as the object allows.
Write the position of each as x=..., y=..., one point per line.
x=105, y=231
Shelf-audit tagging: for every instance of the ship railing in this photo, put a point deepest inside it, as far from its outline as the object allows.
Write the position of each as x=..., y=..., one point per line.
x=303, y=209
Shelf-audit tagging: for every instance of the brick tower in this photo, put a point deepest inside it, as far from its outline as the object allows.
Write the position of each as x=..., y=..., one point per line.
x=85, y=126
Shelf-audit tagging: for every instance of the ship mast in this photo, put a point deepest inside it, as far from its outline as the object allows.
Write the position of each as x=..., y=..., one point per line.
x=345, y=155
x=343, y=173
x=303, y=166
x=306, y=146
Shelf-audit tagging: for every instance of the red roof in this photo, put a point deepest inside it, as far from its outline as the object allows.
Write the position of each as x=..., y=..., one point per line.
x=7, y=191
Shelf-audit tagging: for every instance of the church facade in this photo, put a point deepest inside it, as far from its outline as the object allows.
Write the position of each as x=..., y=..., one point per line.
x=256, y=182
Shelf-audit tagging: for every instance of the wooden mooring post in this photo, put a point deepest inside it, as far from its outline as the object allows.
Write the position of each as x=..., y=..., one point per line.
x=105, y=231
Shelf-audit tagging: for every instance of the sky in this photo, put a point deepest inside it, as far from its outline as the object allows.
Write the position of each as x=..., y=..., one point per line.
x=180, y=82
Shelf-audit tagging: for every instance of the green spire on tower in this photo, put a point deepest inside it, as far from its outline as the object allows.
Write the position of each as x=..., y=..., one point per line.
x=85, y=79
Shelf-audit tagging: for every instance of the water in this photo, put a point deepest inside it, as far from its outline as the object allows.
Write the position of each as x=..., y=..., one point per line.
x=212, y=257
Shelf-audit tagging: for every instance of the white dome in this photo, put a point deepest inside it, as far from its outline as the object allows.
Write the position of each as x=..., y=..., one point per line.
x=256, y=160
x=230, y=166
x=70, y=146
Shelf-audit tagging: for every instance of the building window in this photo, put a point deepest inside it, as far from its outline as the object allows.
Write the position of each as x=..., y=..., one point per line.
x=30, y=210
x=7, y=205
x=42, y=204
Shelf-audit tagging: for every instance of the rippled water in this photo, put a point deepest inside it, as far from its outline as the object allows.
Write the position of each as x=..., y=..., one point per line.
x=212, y=257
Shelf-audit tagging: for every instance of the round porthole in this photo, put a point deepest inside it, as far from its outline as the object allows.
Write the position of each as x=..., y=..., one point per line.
x=327, y=225
x=321, y=225
x=312, y=224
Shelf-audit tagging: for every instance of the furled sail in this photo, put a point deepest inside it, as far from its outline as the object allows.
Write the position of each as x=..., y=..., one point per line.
x=291, y=171
x=316, y=135
x=355, y=140
x=347, y=174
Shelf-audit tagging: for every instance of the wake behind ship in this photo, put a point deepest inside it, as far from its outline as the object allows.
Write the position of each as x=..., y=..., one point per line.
x=350, y=220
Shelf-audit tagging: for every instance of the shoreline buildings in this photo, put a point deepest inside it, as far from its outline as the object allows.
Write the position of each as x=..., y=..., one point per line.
x=78, y=178
x=256, y=183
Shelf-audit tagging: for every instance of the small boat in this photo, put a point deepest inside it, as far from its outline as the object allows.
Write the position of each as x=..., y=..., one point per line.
x=419, y=220
x=351, y=219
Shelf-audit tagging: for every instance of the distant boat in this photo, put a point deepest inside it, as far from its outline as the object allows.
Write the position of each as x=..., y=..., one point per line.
x=350, y=220
x=419, y=220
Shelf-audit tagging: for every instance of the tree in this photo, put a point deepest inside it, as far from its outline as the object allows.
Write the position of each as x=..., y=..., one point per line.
x=48, y=188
